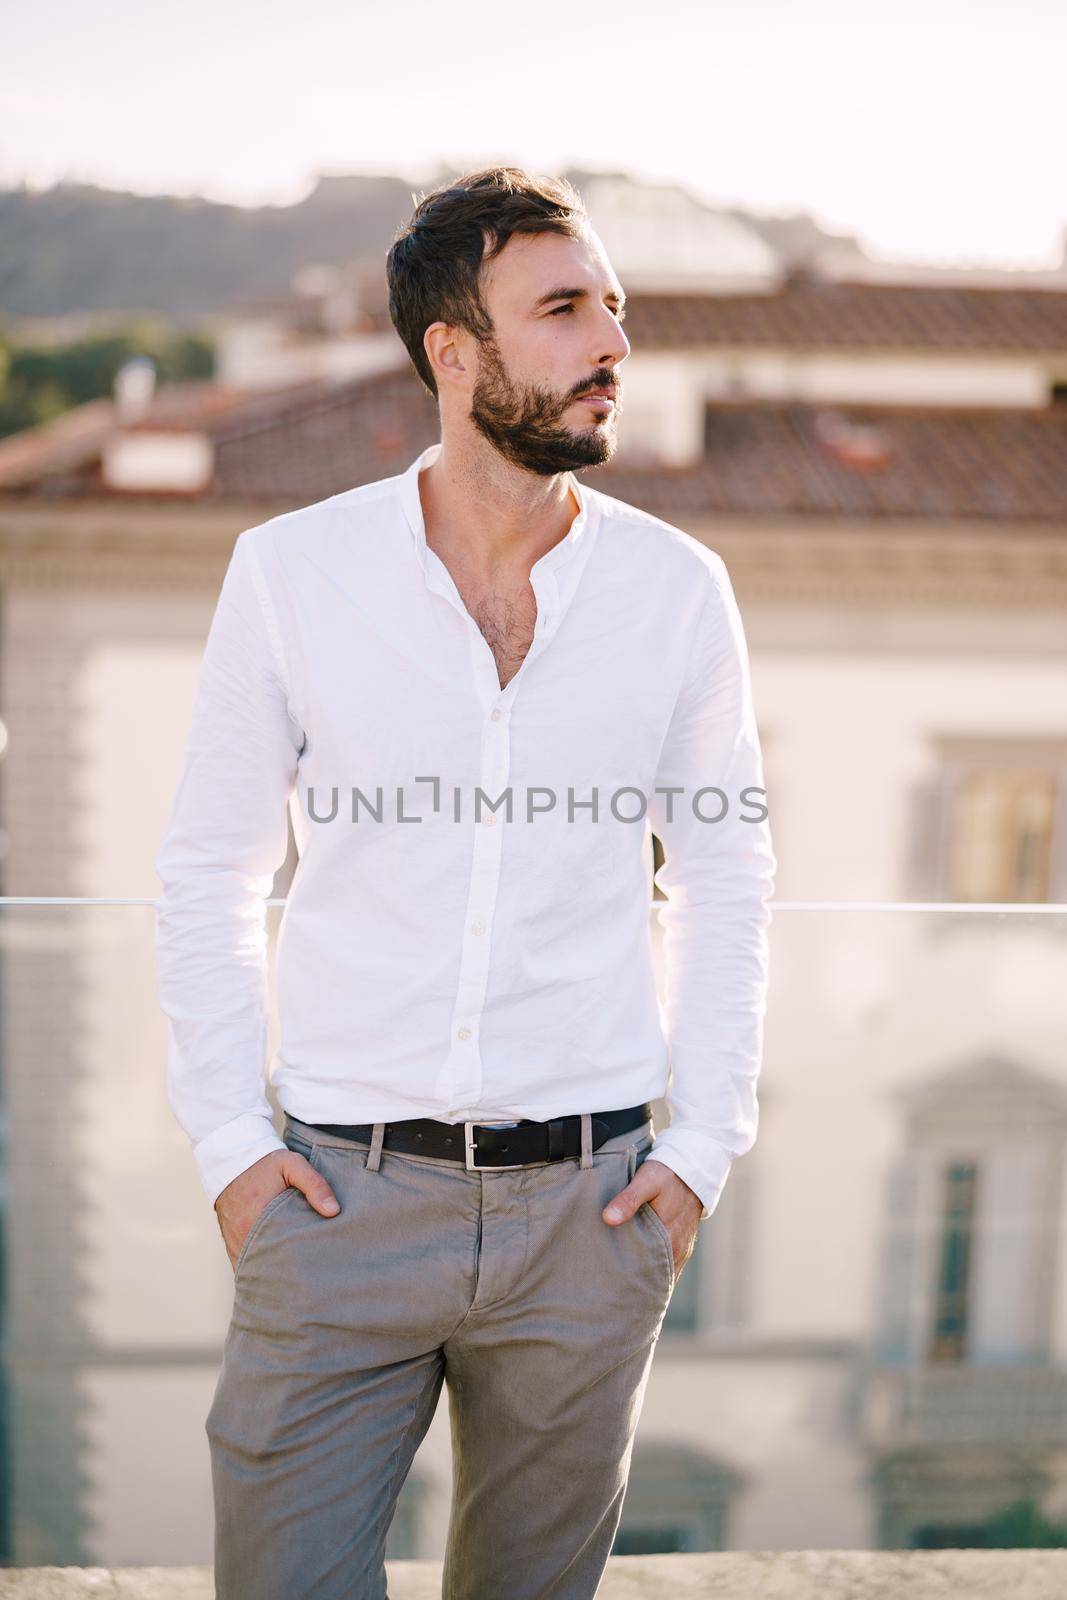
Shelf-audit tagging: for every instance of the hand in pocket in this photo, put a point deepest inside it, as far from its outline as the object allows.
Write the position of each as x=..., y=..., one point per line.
x=243, y=1200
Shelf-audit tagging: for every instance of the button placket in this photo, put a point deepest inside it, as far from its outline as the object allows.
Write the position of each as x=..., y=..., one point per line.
x=460, y=1081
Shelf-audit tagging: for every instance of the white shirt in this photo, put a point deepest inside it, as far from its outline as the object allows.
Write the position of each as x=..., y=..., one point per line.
x=436, y=963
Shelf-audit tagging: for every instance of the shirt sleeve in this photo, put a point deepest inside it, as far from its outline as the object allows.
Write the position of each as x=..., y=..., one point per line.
x=718, y=877
x=226, y=837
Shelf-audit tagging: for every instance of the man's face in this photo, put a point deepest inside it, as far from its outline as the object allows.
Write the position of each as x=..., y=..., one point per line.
x=556, y=308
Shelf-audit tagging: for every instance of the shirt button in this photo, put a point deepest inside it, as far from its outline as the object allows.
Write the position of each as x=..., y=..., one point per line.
x=490, y=818
x=477, y=927
x=464, y=1033
x=495, y=716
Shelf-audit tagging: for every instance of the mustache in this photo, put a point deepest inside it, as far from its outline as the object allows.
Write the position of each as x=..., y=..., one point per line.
x=602, y=379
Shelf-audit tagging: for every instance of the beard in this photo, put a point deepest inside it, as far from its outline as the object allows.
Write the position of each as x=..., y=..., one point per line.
x=522, y=421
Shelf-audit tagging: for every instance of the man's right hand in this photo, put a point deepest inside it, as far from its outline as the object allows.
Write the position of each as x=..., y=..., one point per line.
x=242, y=1200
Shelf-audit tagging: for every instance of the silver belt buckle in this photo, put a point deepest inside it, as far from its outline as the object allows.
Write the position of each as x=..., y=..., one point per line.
x=470, y=1144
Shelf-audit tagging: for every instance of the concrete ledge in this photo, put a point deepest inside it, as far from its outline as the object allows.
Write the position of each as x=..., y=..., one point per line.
x=764, y=1575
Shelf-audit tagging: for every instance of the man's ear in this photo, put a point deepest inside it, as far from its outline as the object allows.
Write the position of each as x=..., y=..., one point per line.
x=441, y=341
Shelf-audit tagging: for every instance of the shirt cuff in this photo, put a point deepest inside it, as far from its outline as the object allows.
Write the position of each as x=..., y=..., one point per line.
x=704, y=1167
x=230, y=1150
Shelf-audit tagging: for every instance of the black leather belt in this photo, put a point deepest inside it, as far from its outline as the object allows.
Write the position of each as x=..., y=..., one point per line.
x=480, y=1145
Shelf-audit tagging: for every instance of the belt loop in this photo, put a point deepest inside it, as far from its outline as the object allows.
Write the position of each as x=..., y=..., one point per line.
x=374, y=1160
x=587, y=1139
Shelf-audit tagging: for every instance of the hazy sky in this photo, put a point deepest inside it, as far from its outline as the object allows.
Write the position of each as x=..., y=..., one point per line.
x=932, y=130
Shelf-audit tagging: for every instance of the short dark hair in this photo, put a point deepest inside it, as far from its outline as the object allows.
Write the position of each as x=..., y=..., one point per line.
x=434, y=264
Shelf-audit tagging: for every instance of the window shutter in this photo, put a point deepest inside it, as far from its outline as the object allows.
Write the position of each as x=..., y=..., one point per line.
x=1057, y=888
x=903, y=1297
x=1010, y=1236
x=927, y=856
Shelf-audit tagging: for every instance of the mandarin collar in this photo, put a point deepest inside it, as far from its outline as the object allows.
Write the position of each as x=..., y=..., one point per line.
x=412, y=505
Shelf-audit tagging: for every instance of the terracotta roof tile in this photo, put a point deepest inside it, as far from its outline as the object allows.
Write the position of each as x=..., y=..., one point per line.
x=862, y=316
x=316, y=445
x=786, y=458
x=768, y=458
x=862, y=462
x=75, y=440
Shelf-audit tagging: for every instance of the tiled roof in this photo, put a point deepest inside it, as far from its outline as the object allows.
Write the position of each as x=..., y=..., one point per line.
x=827, y=314
x=769, y=458
x=791, y=459
x=762, y=459
x=72, y=442
x=305, y=448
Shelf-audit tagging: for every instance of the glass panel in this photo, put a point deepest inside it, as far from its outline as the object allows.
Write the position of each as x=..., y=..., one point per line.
x=1002, y=835
x=869, y=1344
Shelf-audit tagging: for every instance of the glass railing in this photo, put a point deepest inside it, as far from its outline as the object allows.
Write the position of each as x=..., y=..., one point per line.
x=868, y=1347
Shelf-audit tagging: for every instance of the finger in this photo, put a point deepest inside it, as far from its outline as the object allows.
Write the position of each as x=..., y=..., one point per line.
x=302, y=1175
x=625, y=1203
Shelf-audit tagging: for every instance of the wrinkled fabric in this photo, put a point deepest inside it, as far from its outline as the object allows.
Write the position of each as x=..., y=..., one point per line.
x=440, y=955
x=508, y=1288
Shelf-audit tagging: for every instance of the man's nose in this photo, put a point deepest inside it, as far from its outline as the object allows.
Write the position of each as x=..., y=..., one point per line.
x=615, y=346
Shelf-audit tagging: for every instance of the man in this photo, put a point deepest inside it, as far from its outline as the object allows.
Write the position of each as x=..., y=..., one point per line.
x=469, y=676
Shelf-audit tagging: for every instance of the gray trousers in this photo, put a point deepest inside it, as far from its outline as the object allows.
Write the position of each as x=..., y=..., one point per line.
x=508, y=1286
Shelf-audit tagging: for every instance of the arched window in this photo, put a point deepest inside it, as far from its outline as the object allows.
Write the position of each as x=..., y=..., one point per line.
x=677, y=1498
x=404, y=1540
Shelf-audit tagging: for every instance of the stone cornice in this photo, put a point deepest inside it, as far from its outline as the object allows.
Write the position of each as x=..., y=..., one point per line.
x=104, y=545
x=893, y=563
x=815, y=1574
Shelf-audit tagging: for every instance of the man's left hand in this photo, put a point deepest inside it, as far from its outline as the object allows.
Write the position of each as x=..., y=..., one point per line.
x=673, y=1201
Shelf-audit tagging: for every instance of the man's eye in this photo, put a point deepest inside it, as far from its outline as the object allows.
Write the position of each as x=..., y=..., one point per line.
x=620, y=315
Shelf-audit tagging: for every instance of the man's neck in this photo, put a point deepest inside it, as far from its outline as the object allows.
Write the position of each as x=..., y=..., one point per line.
x=490, y=515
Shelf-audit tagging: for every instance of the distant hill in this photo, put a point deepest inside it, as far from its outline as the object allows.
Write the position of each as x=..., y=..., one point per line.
x=79, y=248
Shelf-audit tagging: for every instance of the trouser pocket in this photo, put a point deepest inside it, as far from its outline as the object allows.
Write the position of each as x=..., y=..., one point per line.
x=656, y=1228
x=300, y=1146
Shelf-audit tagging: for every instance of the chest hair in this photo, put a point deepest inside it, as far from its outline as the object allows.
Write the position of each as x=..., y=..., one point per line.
x=507, y=618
